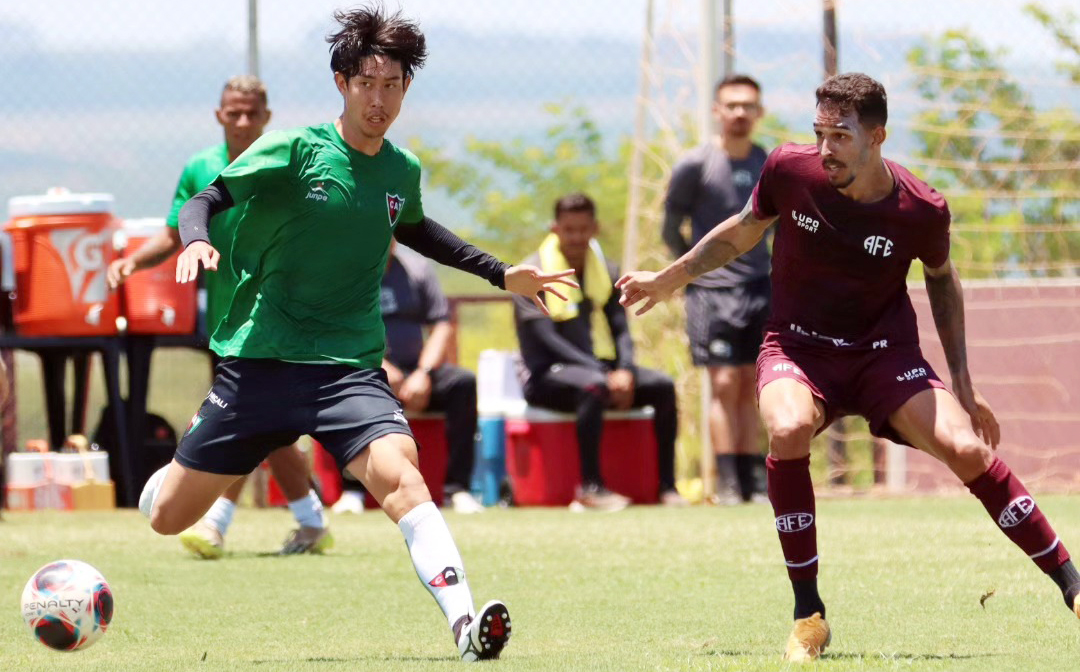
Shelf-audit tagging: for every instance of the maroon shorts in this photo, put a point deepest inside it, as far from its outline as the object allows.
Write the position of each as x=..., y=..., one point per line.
x=871, y=383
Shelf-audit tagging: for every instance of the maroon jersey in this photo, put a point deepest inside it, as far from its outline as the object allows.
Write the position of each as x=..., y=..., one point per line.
x=839, y=267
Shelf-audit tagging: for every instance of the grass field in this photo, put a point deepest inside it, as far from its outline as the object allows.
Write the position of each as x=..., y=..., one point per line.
x=645, y=589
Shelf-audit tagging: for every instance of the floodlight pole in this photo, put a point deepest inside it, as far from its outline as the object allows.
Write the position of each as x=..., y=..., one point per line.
x=709, y=58
x=831, y=47
x=253, y=38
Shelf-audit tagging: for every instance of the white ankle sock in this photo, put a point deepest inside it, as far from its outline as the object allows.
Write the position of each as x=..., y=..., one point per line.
x=308, y=510
x=437, y=561
x=220, y=514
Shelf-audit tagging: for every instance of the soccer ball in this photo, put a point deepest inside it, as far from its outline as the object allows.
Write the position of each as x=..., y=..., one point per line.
x=67, y=604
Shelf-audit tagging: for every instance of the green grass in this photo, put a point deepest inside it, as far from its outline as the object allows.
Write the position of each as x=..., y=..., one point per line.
x=645, y=589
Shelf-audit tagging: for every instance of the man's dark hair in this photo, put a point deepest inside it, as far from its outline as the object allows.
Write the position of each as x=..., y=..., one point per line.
x=732, y=80
x=578, y=202
x=856, y=92
x=368, y=31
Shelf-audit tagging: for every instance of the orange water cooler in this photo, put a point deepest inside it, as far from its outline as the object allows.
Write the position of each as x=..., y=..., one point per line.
x=153, y=301
x=62, y=245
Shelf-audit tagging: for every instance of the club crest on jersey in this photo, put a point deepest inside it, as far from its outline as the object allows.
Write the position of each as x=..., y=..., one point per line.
x=196, y=420
x=394, y=204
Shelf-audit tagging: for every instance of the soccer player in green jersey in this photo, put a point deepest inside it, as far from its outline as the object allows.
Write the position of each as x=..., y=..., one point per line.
x=243, y=114
x=302, y=339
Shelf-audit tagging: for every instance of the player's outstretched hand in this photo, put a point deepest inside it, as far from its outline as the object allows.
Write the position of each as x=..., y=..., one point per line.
x=645, y=286
x=982, y=416
x=187, y=265
x=119, y=271
x=530, y=281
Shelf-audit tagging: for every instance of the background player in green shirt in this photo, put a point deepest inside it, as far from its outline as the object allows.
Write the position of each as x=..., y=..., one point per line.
x=302, y=339
x=243, y=115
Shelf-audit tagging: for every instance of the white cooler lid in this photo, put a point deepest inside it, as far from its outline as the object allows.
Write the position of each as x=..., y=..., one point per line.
x=144, y=227
x=59, y=201
x=140, y=227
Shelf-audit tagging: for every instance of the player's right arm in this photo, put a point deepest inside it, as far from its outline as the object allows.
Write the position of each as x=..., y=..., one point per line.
x=267, y=165
x=728, y=240
x=194, y=228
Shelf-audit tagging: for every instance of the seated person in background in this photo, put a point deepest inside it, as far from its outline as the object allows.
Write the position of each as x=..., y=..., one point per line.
x=581, y=359
x=411, y=300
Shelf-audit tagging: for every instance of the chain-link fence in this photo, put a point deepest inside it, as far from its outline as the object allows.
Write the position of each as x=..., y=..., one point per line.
x=520, y=100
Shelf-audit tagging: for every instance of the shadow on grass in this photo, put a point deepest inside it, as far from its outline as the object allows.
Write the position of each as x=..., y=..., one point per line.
x=905, y=656
x=358, y=659
x=838, y=655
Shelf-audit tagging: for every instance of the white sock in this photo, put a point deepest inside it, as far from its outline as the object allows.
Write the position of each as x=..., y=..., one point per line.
x=308, y=510
x=437, y=561
x=150, y=490
x=220, y=514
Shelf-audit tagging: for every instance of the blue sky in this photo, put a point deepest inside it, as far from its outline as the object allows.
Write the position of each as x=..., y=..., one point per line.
x=114, y=95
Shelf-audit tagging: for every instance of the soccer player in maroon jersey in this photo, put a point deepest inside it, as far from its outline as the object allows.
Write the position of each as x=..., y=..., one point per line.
x=842, y=337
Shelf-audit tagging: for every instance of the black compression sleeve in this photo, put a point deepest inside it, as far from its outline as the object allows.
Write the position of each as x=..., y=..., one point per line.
x=193, y=221
x=436, y=242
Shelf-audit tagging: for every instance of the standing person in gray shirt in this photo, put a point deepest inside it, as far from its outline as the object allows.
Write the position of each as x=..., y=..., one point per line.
x=726, y=308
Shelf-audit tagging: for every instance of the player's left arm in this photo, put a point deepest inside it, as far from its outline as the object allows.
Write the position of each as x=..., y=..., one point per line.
x=947, y=305
x=438, y=243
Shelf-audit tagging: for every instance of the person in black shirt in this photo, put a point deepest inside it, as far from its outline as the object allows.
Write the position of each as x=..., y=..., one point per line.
x=411, y=300
x=726, y=308
x=581, y=359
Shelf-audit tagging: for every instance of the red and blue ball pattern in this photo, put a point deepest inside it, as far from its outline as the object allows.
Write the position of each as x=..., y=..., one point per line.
x=67, y=605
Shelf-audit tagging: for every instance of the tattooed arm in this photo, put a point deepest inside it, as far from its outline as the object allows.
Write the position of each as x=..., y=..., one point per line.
x=736, y=235
x=947, y=305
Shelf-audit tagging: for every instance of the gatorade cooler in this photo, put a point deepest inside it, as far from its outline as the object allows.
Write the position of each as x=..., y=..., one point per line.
x=154, y=303
x=543, y=463
x=62, y=247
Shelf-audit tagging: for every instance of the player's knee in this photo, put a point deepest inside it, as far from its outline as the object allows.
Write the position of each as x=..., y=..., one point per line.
x=162, y=522
x=969, y=457
x=789, y=437
x=408, y=490
x=724, y=385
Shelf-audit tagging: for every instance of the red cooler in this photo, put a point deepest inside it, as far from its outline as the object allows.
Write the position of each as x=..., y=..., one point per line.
x=543, y=463
x=154, y=303
x=62, y=247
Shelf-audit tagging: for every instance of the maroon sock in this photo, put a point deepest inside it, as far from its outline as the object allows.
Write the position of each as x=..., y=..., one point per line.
x=1009, y=504
x=792, y=495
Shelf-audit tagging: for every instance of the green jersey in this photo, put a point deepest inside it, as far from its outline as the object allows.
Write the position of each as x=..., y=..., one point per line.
x=310, y=246
x=199, y=172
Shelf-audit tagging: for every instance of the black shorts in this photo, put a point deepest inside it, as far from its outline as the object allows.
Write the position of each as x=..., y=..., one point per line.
x=725, y=324
x=258, y=405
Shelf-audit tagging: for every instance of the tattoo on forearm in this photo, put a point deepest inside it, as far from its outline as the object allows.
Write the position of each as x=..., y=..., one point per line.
x=947, y=306
x=710, y=254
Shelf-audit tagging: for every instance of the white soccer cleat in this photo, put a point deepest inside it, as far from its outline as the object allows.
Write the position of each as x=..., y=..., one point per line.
x=350, y=502
x=464, y=502
x=486, y=634
x=150, y=491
